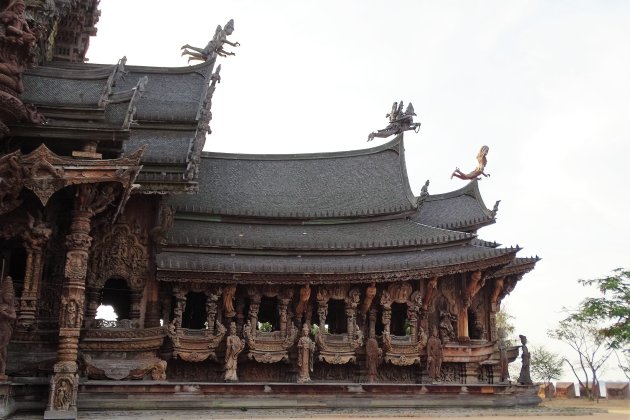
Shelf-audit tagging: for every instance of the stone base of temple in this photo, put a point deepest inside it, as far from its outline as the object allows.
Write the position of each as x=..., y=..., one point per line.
x=30, y=394
x=95, y=395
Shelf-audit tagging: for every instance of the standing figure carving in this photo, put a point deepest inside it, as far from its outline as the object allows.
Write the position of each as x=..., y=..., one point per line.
x=7, y=319
x=16, y=28
x=434, y=356
x=305, y=295
x=306, y=350
x=228, y=300
x=524, y=378
x=373, y=357
x=479, y=170
x=447, y=332
x=370, y=293
x=234, y=346
x=398, y=122
x=214, y=47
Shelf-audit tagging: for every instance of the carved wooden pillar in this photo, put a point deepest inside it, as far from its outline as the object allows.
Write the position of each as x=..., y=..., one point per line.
x=65, y=381
x=283, y=305
x=372, y=331
x=322, y=312
x=212, y=308
x=386, y=303
x=240, y=315
x=495, y=306
x=254, y=307
x=136, y=306
x=35, y=240
x=93, y=296
x=180, y=307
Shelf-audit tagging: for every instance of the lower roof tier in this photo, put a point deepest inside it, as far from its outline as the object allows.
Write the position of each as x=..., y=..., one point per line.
x=177, y=264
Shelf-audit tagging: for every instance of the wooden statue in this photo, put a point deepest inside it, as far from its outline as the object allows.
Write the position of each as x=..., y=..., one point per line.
x=305, y=295
x=7, y=319
x=370, y=293
x=214, y=47
x=228, y=300
x=524, y=378
x=434, y=355
x=233, y=347
x=373, y=357
x=399, y=121
x=479, y=170
x=306, y=349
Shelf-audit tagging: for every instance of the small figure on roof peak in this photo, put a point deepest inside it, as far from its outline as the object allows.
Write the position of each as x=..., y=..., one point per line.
x=399, y=121
x=214, y=47
x=424, y=193
x=479, y=170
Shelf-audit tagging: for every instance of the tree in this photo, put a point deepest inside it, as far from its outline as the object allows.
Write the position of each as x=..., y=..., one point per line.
x=591, y=346
x=545, y=365
x=612, y=309
x=505, y=327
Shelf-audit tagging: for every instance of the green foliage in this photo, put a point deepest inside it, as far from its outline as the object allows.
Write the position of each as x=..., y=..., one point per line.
x=265, y=326
x=545, y=365
x=505, y=326
x=613, y=308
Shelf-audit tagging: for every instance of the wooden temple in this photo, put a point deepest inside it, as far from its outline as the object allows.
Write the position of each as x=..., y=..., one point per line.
x=229, y=273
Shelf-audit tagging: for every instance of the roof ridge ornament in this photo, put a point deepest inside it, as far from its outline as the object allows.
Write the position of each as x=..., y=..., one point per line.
x=399, y=121
x=214, y=46
x=479, y=170
x=424, y=193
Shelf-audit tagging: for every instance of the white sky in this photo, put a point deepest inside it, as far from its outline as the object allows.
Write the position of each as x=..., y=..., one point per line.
x=544, y=84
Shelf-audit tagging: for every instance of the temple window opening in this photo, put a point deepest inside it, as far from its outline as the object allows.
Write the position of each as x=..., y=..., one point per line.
x=195, y=315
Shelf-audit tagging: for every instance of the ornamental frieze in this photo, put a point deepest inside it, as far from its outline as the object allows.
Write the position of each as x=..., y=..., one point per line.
x=120, y=253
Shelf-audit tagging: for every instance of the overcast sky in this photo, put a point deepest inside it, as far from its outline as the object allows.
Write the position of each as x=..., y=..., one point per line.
x=545, y=84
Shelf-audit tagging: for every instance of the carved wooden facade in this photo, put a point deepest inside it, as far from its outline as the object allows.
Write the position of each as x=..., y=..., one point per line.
x=319, y=272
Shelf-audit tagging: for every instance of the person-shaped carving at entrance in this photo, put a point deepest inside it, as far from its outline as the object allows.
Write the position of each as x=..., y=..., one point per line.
x=524, y=378
x=434, y=356
x=306, y=349
x=233, y=347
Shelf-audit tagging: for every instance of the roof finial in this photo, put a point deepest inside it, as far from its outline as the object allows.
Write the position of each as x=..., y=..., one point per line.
x=495, y=209
x=214, y=47
x=399, y=121
x=424, y=193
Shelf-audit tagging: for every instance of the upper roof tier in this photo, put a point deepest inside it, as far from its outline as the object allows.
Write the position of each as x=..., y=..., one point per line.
x=360, y=183
x=462, y=210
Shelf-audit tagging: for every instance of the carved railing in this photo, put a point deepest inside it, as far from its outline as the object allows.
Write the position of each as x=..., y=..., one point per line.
x=122, y=323
x=338, y=349
x=193, y=345
x=269, y=347
x=403, y=350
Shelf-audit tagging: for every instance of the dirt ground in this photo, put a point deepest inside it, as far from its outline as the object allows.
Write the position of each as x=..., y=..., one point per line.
x=573, y=409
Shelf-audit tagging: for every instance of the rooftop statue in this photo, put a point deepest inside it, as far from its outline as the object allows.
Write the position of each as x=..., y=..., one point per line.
x=399, y=121
x=214, y=47
x=479, y=170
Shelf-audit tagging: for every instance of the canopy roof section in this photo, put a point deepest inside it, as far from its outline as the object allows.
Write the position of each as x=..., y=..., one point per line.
x=361, y=183
x=462, y=210
x=124, y=108
x=320, y=218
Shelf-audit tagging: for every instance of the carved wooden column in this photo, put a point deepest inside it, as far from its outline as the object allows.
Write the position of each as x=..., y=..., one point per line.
x=180, y=307
x=212, y=308
x=93, y=296
x=322, y=310
x=351, y=304
x=136, y=306
x=495, y=306
x=65, y=380
x=254, y=307
x=240, y=315
x=35, y=240
x=471, y=285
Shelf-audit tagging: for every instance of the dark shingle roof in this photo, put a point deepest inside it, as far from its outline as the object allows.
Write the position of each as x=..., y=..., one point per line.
x=341, y=184
x=342, y=236
x=62, y=91
x=462, y=209
x=440, y=259
x=163, y=146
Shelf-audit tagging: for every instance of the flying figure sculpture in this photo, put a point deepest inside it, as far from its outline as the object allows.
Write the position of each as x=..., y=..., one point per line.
x=479, y=170
x=214, y=47
x=399, y=121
